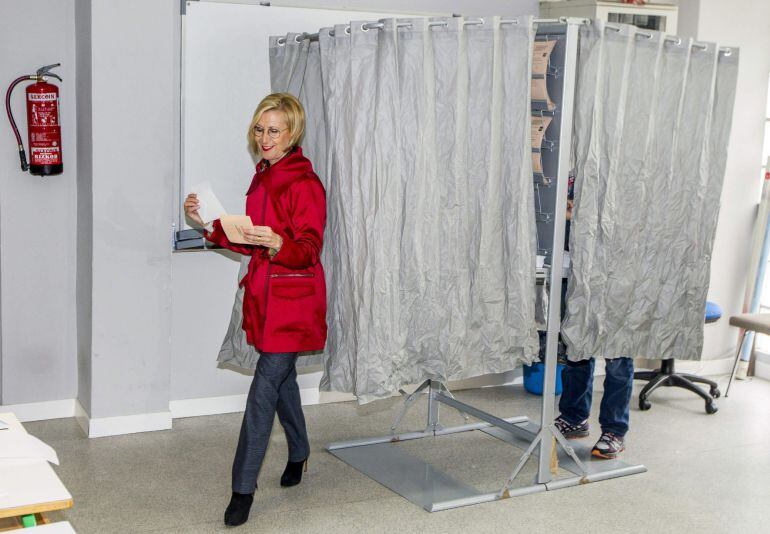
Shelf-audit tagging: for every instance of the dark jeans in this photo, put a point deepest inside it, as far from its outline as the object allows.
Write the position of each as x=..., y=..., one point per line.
x=577, y=393
x=274, y=389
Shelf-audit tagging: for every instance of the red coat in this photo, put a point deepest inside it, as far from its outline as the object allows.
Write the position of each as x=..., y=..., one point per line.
x=284, y=303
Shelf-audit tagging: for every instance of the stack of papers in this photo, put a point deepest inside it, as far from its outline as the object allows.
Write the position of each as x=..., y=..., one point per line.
x=18, y=445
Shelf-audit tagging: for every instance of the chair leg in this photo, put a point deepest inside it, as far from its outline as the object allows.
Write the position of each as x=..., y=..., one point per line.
x=682, y=382
x=735, y=365
x=654, y=383
x=713, y=386
x=698, y=379
x=645, y=375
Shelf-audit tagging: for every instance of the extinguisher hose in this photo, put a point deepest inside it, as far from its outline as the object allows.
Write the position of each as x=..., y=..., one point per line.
x=22, y=154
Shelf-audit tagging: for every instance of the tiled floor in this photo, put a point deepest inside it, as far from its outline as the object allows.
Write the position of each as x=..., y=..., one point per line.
x=707, y=473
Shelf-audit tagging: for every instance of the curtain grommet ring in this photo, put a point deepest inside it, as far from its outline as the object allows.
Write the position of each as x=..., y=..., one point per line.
x=347, y=30
x=281, y=41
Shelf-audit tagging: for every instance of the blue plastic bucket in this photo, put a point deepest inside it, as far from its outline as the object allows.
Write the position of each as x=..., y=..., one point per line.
x=533, y=378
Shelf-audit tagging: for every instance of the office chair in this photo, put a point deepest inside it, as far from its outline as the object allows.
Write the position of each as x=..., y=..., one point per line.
x=667, y=375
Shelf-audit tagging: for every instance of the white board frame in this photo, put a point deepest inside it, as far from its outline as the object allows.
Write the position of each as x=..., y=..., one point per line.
x=206, y=25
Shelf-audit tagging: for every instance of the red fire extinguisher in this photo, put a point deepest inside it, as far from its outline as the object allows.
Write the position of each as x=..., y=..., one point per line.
x=44, y=132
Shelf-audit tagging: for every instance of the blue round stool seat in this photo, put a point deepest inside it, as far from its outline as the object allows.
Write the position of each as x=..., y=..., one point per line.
x=713, y=312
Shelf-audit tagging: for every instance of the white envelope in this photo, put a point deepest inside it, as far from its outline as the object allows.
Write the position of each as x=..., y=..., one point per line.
x=232, y=225
x=210, y=206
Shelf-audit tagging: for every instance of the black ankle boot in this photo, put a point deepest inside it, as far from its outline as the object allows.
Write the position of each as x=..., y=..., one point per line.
x=292, y=475
x=237, y=511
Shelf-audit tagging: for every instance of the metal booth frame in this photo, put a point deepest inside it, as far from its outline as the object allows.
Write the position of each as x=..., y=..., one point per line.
x=383, y=460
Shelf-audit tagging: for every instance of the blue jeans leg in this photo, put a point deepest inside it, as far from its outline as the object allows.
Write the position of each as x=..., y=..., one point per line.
x=618, y=389
x=292, y=419
x=577, y=390
x=273, y=369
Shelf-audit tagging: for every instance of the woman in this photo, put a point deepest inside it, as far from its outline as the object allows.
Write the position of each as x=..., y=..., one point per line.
x=284, y=303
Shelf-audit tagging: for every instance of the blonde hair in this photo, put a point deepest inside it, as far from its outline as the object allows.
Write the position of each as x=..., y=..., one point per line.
x=290, y=106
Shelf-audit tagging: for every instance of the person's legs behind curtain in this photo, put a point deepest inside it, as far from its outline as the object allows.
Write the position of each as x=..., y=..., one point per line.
x=576, y=398
x=614, y=411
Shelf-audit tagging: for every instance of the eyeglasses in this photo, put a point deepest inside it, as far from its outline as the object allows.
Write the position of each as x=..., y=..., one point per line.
x=272, y=133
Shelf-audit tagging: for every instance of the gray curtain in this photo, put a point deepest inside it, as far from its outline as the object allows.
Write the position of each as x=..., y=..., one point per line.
x=421, y=137
x=652, y=122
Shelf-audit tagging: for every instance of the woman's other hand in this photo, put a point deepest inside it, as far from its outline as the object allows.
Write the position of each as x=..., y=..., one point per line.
x=262, y=236
x=191, y=206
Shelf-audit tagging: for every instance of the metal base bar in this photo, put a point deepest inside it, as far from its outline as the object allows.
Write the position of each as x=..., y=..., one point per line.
x=407, y=436
x=384, y=460
x=592, y=470
x=484, y=416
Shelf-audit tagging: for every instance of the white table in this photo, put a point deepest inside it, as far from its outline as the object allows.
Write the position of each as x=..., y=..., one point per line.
x=28, y=486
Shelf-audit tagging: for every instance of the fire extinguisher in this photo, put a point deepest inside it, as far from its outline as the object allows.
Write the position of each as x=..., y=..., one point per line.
x=44, y=132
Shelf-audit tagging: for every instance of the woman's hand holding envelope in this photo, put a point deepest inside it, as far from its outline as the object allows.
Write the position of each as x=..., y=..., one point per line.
x=262, y=236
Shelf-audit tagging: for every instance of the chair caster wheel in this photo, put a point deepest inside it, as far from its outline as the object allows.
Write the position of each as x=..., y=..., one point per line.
x=714, y=392
x=711, y=408
x=644, y=404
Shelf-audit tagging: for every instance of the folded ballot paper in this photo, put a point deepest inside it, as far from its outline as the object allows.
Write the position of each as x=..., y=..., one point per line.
x=211, y=209
x=18, y=445
x=233, y=226
x=210, y=206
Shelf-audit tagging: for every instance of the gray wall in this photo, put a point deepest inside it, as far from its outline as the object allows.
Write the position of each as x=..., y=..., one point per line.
x=85, y=256
x=133, y=118
x=37, y=216
x=83, y=281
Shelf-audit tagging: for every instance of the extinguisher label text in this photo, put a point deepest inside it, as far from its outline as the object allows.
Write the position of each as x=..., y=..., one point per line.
x=42, y=97
x=43, y=114
x=45, y=156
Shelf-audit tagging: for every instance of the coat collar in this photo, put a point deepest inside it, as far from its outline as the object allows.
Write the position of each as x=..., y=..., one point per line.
x=286, y=170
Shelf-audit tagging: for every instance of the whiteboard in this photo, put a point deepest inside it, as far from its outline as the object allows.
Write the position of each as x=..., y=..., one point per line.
x=225, y=73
